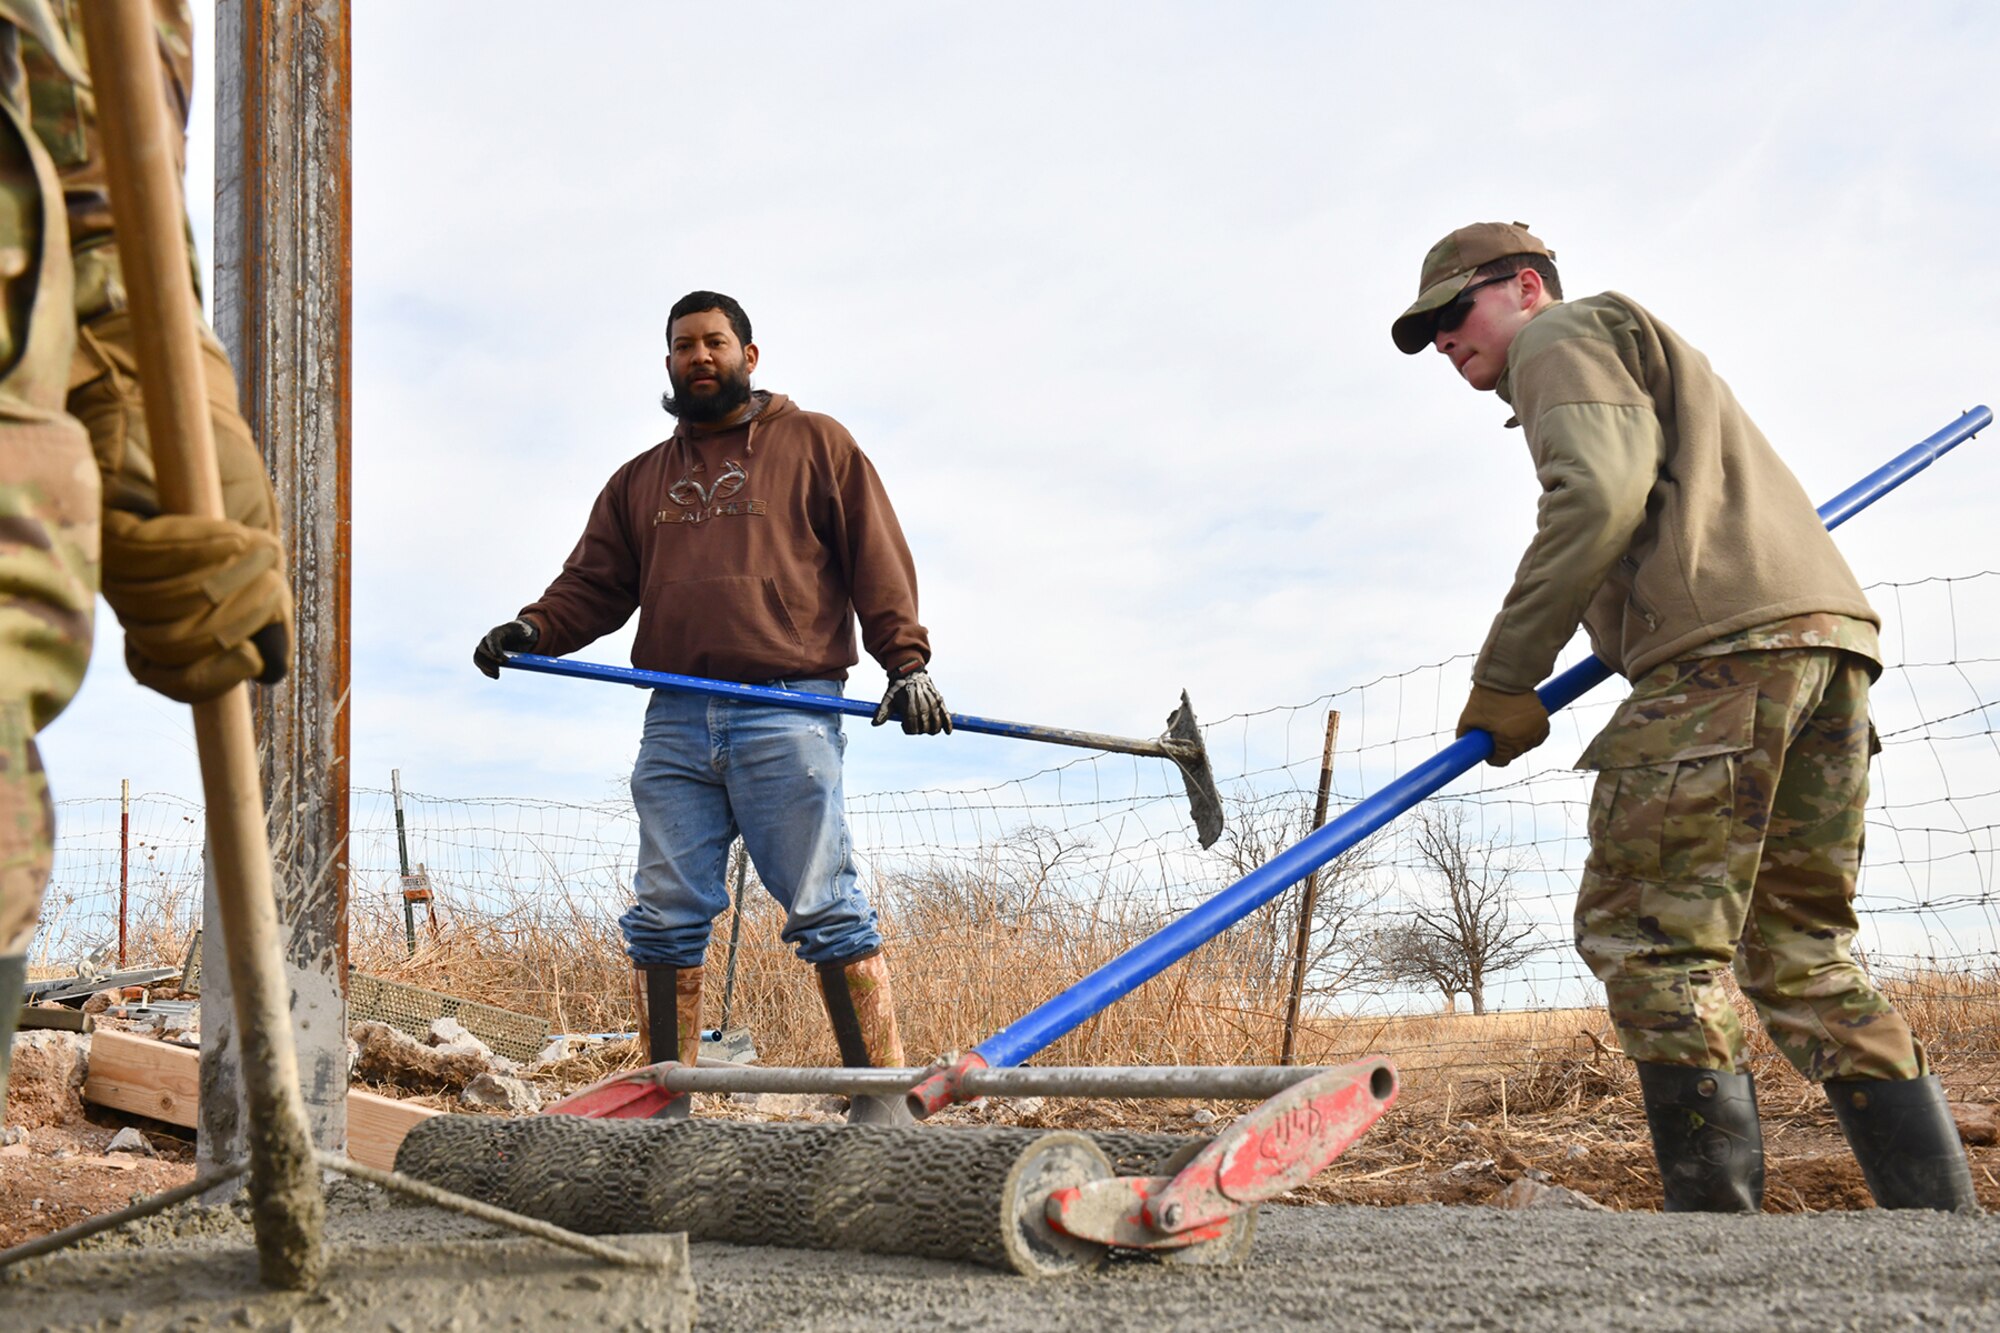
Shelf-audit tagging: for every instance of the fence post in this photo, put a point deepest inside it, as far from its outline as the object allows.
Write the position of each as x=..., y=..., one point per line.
x=403, y=861
x=735, y=935
x=1309, y=894
x=124, y=860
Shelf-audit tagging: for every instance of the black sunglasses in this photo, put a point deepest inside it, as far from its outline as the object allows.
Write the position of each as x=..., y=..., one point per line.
x=1450, y=316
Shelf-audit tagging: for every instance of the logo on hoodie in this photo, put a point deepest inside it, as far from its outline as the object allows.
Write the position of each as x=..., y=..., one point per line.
x=699, y=503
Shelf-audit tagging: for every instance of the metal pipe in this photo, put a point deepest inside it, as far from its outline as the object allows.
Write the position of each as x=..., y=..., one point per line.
x=1230, y=1082
x=486, y=1212
x=1174, y=941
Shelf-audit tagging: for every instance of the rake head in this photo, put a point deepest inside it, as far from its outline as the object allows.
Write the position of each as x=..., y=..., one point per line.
x=1183, y=744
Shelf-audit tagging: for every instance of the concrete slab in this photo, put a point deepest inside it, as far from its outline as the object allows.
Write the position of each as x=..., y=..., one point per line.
x=456, y=1285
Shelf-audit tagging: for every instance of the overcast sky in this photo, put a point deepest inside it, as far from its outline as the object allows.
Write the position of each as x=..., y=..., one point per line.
x=1104, y=291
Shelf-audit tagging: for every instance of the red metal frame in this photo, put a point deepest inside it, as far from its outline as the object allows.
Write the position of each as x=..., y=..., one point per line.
x=1276, y=1148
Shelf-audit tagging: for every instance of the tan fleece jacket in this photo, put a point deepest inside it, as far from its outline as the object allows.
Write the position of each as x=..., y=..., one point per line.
x=1666, y=519
x=748, y=553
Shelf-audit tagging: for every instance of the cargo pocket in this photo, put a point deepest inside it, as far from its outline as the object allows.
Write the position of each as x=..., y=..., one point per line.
x=1665, y=798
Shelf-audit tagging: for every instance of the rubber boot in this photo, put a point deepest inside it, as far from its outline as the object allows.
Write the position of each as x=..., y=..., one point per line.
x=669, y=1004
x=1903, y=1135
x=863, y=1012
x=1705, y=1137
x=13, y=980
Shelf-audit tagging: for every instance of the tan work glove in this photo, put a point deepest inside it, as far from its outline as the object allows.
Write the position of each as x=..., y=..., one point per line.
x=203, y=601
x=1517, y=722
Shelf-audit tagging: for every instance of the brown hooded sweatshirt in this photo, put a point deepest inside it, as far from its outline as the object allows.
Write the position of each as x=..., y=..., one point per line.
x=748, y=553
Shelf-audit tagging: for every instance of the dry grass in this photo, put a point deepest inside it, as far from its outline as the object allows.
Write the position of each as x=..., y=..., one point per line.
x=969, y=961
x=975, y=950
x=1485, y=1099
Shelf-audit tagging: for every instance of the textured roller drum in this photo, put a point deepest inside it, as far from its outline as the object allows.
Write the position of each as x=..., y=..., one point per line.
x=944, y=1193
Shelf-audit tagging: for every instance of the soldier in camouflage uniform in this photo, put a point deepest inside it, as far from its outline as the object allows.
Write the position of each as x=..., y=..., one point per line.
x=1726, y=821
x=203, y=602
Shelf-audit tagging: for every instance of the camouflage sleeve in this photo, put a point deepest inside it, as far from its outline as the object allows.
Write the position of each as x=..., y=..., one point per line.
x=1596, y=463
x=65, y=120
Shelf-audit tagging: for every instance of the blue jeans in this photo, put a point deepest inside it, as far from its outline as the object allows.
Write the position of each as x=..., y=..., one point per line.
x=709, y=768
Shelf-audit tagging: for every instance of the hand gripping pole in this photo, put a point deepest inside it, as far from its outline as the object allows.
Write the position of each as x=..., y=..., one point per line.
x=1174, y=941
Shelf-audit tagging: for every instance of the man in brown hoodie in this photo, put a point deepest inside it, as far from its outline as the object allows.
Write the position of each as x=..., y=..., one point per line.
x=748, y=541
x=1726, y=821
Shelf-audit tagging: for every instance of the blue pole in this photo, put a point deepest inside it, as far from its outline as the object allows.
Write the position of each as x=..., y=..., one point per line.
x=1174, y=941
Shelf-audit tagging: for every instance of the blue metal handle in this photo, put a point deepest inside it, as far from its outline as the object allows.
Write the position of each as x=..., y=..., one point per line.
x=1174, y=941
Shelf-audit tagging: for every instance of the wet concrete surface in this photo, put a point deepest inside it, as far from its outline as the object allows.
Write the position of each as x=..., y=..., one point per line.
x=1420, y=1267
x=1426, y=1267
x=455, y=1284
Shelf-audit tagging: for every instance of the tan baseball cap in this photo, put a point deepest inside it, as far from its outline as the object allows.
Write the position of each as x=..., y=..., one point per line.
x=1449, y=267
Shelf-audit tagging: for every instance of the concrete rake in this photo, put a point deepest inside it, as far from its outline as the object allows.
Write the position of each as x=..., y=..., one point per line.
x=1180, y=743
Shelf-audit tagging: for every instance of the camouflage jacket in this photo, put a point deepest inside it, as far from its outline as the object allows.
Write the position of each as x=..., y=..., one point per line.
x=1666, y=519
x=64, y=116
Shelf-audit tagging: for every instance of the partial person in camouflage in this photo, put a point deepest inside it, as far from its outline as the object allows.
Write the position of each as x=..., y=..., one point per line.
x=1726, y=821
x=204, y=602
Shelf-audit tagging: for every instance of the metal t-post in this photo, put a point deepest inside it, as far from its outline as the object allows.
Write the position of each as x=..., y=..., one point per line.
x=403, y=861
x=735, y=935
x=1309, y=894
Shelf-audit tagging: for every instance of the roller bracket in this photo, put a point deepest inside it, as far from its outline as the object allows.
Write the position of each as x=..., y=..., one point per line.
x=636, y=1094
x=1276, y=1148
x=941, y=1088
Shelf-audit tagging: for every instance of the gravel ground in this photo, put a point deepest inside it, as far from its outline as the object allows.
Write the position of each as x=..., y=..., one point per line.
x=1418, y=1267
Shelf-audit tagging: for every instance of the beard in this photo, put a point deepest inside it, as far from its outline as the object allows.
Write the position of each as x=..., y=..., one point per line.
x=732, y=391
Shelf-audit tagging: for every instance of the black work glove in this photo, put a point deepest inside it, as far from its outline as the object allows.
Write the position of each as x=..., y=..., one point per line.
x=1516, y=720
x=915, y=699
x=516, y=636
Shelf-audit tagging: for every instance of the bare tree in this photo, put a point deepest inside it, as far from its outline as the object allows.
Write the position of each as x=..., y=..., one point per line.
x=1258, y=829
x=1461, y=929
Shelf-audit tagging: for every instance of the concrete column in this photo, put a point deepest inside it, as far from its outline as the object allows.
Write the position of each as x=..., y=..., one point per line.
x=281, y=305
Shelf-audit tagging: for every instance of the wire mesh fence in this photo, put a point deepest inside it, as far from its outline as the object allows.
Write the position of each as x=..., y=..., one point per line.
x=994, y=896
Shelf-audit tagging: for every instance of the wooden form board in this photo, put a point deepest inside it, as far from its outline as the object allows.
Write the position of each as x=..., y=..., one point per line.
x=152, y=1078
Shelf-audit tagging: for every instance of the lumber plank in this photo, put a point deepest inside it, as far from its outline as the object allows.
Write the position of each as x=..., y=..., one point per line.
x=151, y=1078
x=143, y=1076
x=376, y=1126
x=56, y=1018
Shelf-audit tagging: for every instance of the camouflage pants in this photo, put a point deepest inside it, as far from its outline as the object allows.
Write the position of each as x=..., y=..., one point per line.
x=48, y=590
x=49, y=512
x=1726, y=831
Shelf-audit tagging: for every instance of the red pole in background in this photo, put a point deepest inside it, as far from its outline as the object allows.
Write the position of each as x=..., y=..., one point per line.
x=124, y=859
